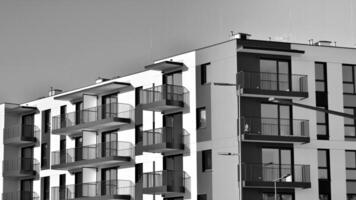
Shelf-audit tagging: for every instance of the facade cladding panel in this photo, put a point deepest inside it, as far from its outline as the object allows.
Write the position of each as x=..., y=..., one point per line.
x=171, y=131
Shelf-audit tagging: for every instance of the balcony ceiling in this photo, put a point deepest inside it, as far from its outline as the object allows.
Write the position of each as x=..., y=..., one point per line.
x=167, y=66
x=263, y=50
x=100, y=88
x=19, y=109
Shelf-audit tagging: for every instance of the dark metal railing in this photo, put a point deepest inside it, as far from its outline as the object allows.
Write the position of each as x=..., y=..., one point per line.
x=21, y=164
x=164, y=135
x=164, y=92
x=27, y=131
x=20, y=195
x=176, y=180
x=105, y=111
x=94, y=189
x=275, y=126
x=89, y=152
x=268, y=172
x=273, y=81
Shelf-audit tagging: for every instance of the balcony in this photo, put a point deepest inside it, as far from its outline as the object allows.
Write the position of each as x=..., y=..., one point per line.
x=275, y=130
x=21, y=168
x=96, y=155
x=164, y=140
x=262, y=175
x=108, y=116
x=20, y=195
x=111, y=189
x=167, y=182
x=262, y=84
x=165, y=98
x=21, y=134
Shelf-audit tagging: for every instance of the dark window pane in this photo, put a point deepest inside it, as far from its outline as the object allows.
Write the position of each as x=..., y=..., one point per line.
x=350, y=159
x=347, y=75
x=269, y=66
x=206, y=161
x=323, y=197
x=270, y=156
x=201, y=118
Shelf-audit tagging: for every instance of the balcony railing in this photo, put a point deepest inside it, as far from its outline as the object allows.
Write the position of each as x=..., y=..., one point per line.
x=267, y=172
x=95, y=151
x=273, y=81
x=178, y=181
x=275, y=126
x=21, y=165
x=165, y=135
x=106, y=111
x=164, y=92
x=20, y=195
x=23, y=131
x=123, y=188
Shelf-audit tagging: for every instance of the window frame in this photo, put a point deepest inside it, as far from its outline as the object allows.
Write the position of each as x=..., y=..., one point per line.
x=203, y=73
x=327, y=164
x=353, y=66
x=325, y=80
x=326, y=124
x=206, y=165
x=349, y=125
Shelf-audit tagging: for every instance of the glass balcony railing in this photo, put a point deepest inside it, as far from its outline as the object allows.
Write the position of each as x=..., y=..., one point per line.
x=20, y=195
x=175, y=181
x=268, y=172
x=275, y=126
x=22, y=165
x=95, y=151
x=21, y=131
x=123, y=188
x=166, y=92
x=165, y=135
x=106, y=111
x=273, y=81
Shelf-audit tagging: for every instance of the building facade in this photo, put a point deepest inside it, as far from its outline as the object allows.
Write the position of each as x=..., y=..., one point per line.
x=175, y=130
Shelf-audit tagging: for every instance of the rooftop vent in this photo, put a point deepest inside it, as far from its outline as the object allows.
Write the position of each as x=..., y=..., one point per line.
x=100, y=80
x=242, y=36
x=53, y=92
x=323, y=43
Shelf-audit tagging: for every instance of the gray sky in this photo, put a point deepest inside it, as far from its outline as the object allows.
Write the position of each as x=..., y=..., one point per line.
x=69, y=43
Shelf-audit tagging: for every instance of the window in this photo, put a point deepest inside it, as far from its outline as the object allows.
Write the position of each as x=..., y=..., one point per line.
x=323, y=163
x=275, y=119
x=348, y=77
x=201, y=118
x=45, y=187
x=206, y=160
x=351, y=174
x=202, y=197
x=322, y=122
x=275, y=74
x=349, y=123
x=276, y=163
x=320, y=77
x=280, y=196
x=203, y=74
x=44, y=155
x=46, y=121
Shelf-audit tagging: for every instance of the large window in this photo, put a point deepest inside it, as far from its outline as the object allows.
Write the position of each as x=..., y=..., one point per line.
x=46, y=120
x=276, y=163
x=323, y=164
x=348, y=79
x=275, y=74
x=351, y=174
x=206, y=160
x=320, y=77
x=322, y=128
x=276, y=119
x=201, y=117
x=45, y=188
x=349, y=123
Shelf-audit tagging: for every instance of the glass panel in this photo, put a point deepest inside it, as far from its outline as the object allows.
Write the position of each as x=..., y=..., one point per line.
x=351, y=187
x=270, y=156
x=268, y=74
x=319, y=71
x=323, y=197
x=322, y=158
x=350, y=174
x=348, y=88
x=269, y=66
x=347, y=74
x=320, y=86
x=283, y=76
x=350, y=159
x=269, y=111
x=320, y=117
x=323, y=174
x=286, y=157
x=286, y=197
x=350, y=131
x=349, y=121
x=285, y=128
x=321, y=130
x=351, y=196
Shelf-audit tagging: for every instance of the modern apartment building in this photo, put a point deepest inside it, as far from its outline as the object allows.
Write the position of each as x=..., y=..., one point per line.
x=172, y=130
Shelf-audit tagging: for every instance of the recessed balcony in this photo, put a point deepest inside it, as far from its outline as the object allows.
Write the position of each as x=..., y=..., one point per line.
x=108, y=116
x=167, y=182
x=257, y=129
x=110, y=189
x=165, y=98
x=165, y=140
x=21, y=168
x=21, y=134
x=263, y=175
x=20, y=195
x=96, y=155
x=278, y=85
